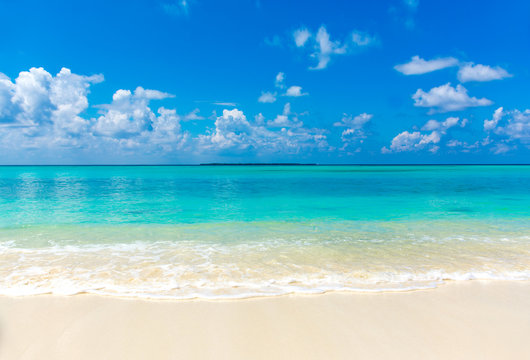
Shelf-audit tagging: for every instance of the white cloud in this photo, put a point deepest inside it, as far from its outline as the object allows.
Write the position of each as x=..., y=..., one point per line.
x=509, y=126
x=231, y=130
x=428, y=138
x=443, y=125
x=281, y=121
x=37, y=98
x=259, y=119
x=491, y=124
x=267, y=97
x=279, y=81
x=286, y=119
x=354, y=128
x=68, y=93
x=447, y=98
x=295, y=91
x=45, y=113
x=462, y=145
x=235, y=133
x=518, y=126
x=166, y=131
x=41, y=113
x=301, y=36
x=501, y=148
x=506, y=131
x=7, y=91
x=324, y=48
x=354, y=122
x=467, y=71
x=128, y=113
x=32, y=96
x=479, y=72
x=194, y=115
x=413, y=141
x=360, y=38
x=417, y=65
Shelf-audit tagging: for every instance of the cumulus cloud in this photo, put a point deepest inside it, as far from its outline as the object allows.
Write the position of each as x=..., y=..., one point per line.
x=491, y=124
x=47, y=113
x=354, y=122
x=129, y=113
x=295, y=91
x=413, y=141
x=507, y=129
x=323, y=48
x=68, y=93
x=7, y=90
x=39, y=100
x=231, y=130
x=286, y=119
x=235, y=133
x=282, y=120
x=301, y=36
x=447, y=98
x=418, y=66
x=267, y=97
x=355, y=128
x=479, y=72
x=40, y=112
x=279, y=80
x=428, y=138
x=194, y=115
x=165, y=131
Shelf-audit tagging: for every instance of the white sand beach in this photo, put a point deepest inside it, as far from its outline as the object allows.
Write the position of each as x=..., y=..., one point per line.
x=460, y=320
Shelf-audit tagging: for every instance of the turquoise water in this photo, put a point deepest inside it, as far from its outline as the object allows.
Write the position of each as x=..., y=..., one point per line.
x=216, y=231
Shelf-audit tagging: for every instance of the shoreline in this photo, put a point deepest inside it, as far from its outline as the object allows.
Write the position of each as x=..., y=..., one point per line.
x=457, y=320
x=220, y=298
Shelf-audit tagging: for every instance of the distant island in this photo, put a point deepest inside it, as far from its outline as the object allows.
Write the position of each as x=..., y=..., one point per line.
x=256, y=164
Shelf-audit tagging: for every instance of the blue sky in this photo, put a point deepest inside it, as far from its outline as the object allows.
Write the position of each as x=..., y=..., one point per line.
x=401, y=81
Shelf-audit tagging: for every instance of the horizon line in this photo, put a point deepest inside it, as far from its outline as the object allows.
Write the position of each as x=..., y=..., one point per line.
x=280, y=164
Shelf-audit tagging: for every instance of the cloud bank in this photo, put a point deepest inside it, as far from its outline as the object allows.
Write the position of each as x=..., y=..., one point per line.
x=43, y=112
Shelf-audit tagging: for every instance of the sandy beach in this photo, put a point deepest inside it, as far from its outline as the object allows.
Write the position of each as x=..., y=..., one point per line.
x=460, y=320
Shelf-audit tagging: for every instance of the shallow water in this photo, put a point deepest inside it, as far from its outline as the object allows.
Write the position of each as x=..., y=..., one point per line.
x=236, y=231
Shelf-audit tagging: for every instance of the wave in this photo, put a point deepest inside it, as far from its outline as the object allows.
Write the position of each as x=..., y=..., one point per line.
x=189, y=270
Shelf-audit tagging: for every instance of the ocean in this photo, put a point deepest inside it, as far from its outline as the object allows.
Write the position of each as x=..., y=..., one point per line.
x=182, y=232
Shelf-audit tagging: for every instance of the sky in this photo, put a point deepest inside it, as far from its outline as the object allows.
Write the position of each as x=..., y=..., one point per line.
x=198, y=81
